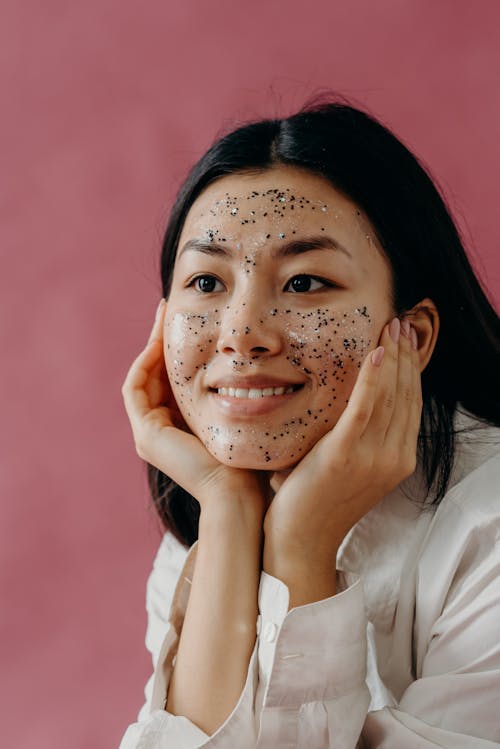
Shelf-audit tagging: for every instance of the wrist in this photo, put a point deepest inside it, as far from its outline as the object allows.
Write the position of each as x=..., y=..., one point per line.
x=231, y=514
x=309, y=579
x=306, y=584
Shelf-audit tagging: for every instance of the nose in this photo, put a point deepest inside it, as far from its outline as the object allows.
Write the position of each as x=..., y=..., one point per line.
x=247, y=330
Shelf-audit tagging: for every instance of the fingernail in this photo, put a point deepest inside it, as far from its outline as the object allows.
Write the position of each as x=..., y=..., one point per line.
x=377, y=356
x=405, y=327
x=414, y=339
x=394, y=329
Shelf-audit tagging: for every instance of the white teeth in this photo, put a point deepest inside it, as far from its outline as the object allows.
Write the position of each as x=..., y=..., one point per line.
x=254, y=392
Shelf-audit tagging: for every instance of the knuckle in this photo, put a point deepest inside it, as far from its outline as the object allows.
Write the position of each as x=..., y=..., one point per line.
x=340, y=461
x=361, y=414
x=393, y=353
x=407, y=393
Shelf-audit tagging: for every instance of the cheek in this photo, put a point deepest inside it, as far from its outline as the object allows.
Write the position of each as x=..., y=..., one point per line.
x=330, y=346
x=188, y=340
x=327, y=346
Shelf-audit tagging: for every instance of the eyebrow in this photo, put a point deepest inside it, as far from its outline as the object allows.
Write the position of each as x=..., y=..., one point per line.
x=287, y=249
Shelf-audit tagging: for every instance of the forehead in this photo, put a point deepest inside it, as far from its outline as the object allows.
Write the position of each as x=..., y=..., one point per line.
x=260, y=210
x=281, y=192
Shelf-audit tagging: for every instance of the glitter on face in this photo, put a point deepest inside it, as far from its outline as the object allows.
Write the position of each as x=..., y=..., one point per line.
x=254, y=326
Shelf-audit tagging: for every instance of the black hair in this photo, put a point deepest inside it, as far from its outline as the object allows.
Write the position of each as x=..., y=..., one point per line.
x=367, y=163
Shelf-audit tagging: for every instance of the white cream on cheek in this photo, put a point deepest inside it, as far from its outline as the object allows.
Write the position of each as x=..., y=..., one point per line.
x=326, y=345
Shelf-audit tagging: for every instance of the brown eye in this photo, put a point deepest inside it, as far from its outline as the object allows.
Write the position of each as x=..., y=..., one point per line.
x=304, y=283
x=206, y=284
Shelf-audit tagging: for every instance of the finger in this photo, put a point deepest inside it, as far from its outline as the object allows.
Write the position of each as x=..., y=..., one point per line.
x=158, y=386
x=134, y=389
x=404, y=392
x=157, y=330
x=415, y=415
x=356, y=415
x=147, y=365
x=385, y=398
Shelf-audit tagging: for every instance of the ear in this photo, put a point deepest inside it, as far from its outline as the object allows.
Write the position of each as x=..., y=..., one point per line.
x=424, y=317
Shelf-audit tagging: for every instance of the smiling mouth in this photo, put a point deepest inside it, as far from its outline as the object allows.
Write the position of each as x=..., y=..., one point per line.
x=252, y=393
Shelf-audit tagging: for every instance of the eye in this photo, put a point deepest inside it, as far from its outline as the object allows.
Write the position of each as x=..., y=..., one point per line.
x=303, y=283
x=206, y=284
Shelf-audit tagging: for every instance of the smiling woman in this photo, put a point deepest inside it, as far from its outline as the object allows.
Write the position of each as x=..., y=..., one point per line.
x=313, y=381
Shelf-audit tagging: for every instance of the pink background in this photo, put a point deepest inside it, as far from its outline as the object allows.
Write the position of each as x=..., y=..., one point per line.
x=105, y=104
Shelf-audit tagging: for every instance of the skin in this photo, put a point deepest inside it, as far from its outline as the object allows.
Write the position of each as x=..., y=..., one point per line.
x=233, y=314
x=283, y=516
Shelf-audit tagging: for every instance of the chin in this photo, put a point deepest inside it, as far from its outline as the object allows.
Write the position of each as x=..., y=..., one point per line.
x=252, y=460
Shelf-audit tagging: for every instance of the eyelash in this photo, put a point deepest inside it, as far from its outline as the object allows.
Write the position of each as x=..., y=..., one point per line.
x=323, y=281
x=193, y=282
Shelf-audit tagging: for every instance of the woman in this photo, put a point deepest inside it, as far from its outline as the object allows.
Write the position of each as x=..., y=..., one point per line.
x=318, y=411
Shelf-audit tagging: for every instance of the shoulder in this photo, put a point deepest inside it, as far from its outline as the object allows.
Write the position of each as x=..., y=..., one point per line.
x=459, y=557
x=473, y=497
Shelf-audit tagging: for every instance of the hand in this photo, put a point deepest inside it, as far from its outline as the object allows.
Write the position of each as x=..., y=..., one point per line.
x=370, y=450
x=162, y=437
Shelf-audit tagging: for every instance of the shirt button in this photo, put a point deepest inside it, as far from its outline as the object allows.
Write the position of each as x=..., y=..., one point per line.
x=269, y=632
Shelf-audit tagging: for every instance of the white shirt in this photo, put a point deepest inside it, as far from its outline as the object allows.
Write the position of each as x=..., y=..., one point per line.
x=405, y=656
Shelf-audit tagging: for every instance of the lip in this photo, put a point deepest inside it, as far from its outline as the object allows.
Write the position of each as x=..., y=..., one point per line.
x=255, y=381
x=250, y=407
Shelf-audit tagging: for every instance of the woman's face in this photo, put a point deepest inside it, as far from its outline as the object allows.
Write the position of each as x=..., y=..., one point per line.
x=279, y=290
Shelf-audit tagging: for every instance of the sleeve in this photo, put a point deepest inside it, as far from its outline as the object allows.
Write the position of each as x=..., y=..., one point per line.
x=312, y=668
x=313, y=663
x=295, y=683
x=455, y=700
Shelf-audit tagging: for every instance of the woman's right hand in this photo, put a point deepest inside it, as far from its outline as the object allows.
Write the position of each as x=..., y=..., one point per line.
x=161, y=436
x=213, y=659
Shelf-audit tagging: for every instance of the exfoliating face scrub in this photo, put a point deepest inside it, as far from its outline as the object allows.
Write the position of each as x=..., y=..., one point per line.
x=280, y=288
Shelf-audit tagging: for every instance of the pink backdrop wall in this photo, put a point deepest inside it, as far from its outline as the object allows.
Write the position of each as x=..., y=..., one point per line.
x=105, y=104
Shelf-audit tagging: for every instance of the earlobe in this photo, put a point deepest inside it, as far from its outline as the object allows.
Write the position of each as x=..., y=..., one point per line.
x=424, y=317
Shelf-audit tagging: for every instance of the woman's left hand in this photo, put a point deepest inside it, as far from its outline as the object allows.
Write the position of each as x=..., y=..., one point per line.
x=369, y=451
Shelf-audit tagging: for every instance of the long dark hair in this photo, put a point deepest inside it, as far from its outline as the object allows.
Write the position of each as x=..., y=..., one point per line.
x=364, y=160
